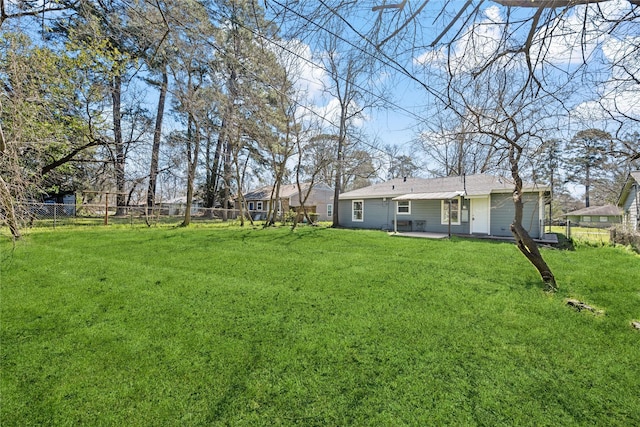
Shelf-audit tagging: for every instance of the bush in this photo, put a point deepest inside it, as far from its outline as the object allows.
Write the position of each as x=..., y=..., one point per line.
x=624, y=235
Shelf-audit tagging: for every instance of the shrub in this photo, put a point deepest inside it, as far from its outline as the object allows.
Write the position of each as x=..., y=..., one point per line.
x=624, y=235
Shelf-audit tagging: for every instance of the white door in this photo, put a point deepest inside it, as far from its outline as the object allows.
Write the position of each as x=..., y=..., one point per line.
x=480, y=215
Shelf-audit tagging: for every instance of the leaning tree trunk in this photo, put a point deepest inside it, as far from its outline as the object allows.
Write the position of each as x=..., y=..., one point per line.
x=155, y=150
x=525, y=243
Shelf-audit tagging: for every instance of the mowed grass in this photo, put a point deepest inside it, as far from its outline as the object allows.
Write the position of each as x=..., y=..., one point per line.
x=231, y=326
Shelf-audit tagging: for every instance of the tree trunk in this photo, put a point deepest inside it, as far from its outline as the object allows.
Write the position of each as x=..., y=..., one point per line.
x=227, y=180
x=213, y=171
x=524, y=242
x=155, y=150
x=6, y=202
x=338, y=183
x=193, y=149
x=119, y=160
x=587, y=186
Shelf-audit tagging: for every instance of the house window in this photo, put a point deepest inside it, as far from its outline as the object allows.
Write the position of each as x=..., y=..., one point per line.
x=329, y=209
x=604, y=219
x=250, y=206
x=586, y=219
x=455, y=211
x=404, y=207
x=357, y=210
x=258, y=206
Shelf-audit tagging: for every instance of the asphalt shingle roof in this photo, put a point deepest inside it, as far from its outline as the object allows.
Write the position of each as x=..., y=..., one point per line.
x=475, y=185
x=607, y=210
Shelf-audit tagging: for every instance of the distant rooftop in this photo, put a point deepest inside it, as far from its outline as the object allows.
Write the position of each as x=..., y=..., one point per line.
x=606, y=210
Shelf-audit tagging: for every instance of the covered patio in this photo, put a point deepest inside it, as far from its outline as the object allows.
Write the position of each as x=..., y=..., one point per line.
x=548, y=238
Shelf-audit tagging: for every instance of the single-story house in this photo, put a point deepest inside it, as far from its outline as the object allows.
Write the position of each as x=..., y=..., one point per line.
x=629, y=201
x=478, y=204
x=319, y=202
x=51, y=205
x=596, y=216
x=177, y=206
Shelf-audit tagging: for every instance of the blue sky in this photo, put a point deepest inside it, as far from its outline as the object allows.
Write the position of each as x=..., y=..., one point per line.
x=397, y=124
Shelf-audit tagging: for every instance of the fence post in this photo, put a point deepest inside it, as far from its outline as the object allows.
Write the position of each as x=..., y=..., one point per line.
x=568, y=229
x=55, y=216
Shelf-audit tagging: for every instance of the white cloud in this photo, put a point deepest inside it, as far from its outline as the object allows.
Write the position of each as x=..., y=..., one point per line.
x=570, y=39
x=478, y=42
x=308, y=76
x=331, y=112
x=573, y=38
x=619, y=94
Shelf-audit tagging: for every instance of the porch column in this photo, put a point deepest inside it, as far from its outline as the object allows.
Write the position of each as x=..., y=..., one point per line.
x=395, y=218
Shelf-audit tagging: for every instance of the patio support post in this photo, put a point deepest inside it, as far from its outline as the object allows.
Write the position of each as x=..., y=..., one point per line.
x=395, y=219
x=449, y=227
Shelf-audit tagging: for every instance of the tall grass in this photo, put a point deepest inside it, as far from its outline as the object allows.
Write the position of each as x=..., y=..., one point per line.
x=230, y=326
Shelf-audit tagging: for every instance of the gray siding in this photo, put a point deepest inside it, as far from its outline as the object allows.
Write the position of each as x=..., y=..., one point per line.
x=379, y=214
x=631, y=208
x=503, y=212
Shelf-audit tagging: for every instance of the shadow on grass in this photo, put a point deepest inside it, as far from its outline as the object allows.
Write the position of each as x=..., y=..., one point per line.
x=564, y=243
x=534, y=284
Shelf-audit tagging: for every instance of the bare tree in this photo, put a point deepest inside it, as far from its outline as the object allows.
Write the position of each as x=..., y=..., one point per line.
x=42, y=9
x=517, y=125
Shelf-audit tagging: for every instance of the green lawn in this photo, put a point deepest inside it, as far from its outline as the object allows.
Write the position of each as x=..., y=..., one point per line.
x=230, y=326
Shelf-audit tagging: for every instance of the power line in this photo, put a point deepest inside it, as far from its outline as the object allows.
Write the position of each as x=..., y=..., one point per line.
x=388, y=61
x=322, y=67
x=294, y=101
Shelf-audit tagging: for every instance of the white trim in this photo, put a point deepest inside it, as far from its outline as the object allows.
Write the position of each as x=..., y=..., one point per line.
x=443, y=203
x=329, y=209
x=353, y=211
x=398, y=207
x=541, y=215
x=474, y=225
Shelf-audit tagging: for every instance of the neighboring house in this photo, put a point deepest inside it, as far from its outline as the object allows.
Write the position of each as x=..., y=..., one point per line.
x=479, y=204
x=177, y=206
x=320, y=200
x=596, y=216
x=629, y=201
x=56, y=204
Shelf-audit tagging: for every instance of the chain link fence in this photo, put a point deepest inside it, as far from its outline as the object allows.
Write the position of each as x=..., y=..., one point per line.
x=604, y=235
x=59, y=214
x=587, y=233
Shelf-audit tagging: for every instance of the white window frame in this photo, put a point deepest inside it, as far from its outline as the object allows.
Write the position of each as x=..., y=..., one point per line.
x=408, y=206
x=604, y=219
x=586, y=219
x=354, y=217
x=250, y=206
x=329, y=209
x=259, y=206
x=444, y=212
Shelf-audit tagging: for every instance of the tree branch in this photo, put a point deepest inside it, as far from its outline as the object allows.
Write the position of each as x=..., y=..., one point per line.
x=398, y=6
